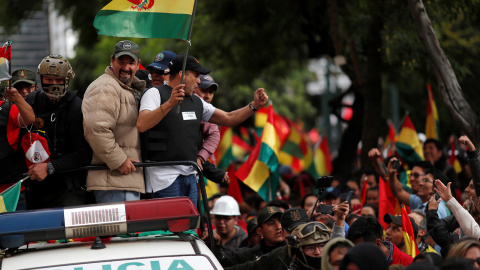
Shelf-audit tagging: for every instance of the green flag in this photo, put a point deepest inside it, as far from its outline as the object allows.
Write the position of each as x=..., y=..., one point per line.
x=9, y=198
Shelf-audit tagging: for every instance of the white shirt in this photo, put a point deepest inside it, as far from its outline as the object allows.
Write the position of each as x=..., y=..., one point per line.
x=158, y=178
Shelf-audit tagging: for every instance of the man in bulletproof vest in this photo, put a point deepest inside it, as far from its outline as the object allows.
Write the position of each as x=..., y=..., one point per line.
x=59, y=120
x=14, y=114
x=171, y=115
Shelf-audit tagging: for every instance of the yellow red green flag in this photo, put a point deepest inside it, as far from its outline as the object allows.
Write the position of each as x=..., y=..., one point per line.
x=145, y=18
x=260, y=171
x=431, y=128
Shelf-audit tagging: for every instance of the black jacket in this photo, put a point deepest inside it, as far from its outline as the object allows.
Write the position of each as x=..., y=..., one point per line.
x=244, y=255
x=441, y=230
x=277, y=259
x=66, y=142
x=474, y=162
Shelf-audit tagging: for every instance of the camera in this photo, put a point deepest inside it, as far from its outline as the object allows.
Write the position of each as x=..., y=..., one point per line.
x=325, y=209
x=324, y=182
x=396, y=164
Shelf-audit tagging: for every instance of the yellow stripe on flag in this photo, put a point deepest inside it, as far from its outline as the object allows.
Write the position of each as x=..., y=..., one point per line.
x=159, y=6
x=259, y=173
x=2, y=205
x=225, y=143
x=270, y=138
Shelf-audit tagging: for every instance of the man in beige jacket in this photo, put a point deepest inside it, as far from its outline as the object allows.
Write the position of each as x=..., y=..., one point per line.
x=110, y=114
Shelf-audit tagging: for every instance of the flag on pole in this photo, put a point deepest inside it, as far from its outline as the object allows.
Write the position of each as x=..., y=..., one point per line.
x=260, y=171
x=408, y=145
x=234, y=187
x=363, y=194
x=145, y=18
x=391, y=139
x=453, y=160
x=387, y=203
x=9, y=198
x=5, y=58
x=431, y=128
x=408, y=235
x=296, y=151
x=240, y=149
x=321, y=158
x=223, y=154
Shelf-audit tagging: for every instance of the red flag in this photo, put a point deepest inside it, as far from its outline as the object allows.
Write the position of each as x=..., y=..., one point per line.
x=387, y=203
x=363, y=194
x=234, y=187
x=5, y=58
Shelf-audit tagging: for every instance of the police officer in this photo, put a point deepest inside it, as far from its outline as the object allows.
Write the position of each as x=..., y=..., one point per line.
x=59, y=120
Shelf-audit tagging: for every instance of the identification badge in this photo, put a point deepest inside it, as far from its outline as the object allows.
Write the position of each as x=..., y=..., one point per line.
x=189, y=116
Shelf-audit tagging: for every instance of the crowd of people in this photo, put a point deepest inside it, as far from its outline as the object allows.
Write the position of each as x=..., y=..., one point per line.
x=164, y=113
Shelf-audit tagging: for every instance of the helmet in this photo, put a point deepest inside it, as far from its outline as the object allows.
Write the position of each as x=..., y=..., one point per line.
x=55, y=65
x=308, y=234
x=226, y=206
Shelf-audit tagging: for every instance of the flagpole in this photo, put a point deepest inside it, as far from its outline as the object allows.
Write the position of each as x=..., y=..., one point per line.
x=189, y=43
x=10, y=187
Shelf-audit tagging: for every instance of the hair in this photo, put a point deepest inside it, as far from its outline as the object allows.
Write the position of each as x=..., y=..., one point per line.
x=350, y=217
x=460, y=248
x=375, y=208
x=423, y=223
x=302, y=202
x=338, y=245
x=375, y=188
x=279, y=203
x=455, y=263
x=475, y=208
x=431, y=257
x=396, y=267
x=425, y=165
x=371, y=171
x=436, y=142
x=366, y=227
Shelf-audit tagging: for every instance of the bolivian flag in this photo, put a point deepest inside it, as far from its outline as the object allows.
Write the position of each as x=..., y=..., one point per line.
x=5, y=57
x=408, y=145
x=431, y=127
x=240, y=148
x=296, y=151
x=260, y=171
x=322, y=162
x=145, y=18
x=408, y=235
x=9, y=198
x=224, y=153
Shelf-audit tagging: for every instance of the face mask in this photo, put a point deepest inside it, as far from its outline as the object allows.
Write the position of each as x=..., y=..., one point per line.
x=54, y=91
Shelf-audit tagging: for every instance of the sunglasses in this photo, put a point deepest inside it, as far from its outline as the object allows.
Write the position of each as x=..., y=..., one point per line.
x=156, y=71
x=477, y=260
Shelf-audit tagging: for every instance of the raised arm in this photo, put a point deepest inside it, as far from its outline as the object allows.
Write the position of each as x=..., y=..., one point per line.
x=27, y=116
x=473, y=161
x=395, y=185
x=234, y=118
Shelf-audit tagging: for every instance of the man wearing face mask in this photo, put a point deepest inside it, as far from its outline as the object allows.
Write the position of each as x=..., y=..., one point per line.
x=58, y=118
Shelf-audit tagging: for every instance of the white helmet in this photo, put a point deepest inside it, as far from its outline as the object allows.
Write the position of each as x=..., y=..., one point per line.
x=226, y=206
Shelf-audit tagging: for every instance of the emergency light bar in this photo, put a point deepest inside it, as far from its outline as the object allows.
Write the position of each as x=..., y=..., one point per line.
x=173, y=214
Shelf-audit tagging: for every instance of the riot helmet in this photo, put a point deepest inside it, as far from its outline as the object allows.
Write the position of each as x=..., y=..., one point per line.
x=55, y=66
x=311, y=233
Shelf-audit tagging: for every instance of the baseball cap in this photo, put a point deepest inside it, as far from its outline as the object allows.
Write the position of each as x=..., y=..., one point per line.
x=207, y=81
x=127, y=47
x=252, y=225
x=162, y=60
x=293, y=217
x=192, y=64
x=387, y=218
x=23, y=75
x=267, y=213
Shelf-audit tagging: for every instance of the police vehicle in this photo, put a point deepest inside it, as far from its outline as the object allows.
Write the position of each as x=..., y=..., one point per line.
x=25, y=237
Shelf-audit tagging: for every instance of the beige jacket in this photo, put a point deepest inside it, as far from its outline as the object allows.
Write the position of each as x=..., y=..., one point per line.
x=110, y=125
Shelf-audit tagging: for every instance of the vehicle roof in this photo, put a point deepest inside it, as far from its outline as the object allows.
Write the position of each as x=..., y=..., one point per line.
x=42, y=255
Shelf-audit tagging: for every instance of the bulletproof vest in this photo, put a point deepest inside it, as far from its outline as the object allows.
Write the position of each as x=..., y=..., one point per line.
x=177, y=137
x=5, y=149
x=50, y=121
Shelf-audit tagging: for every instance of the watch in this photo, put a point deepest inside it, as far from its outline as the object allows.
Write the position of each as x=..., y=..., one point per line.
x=50, y=168
x=252, y=108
